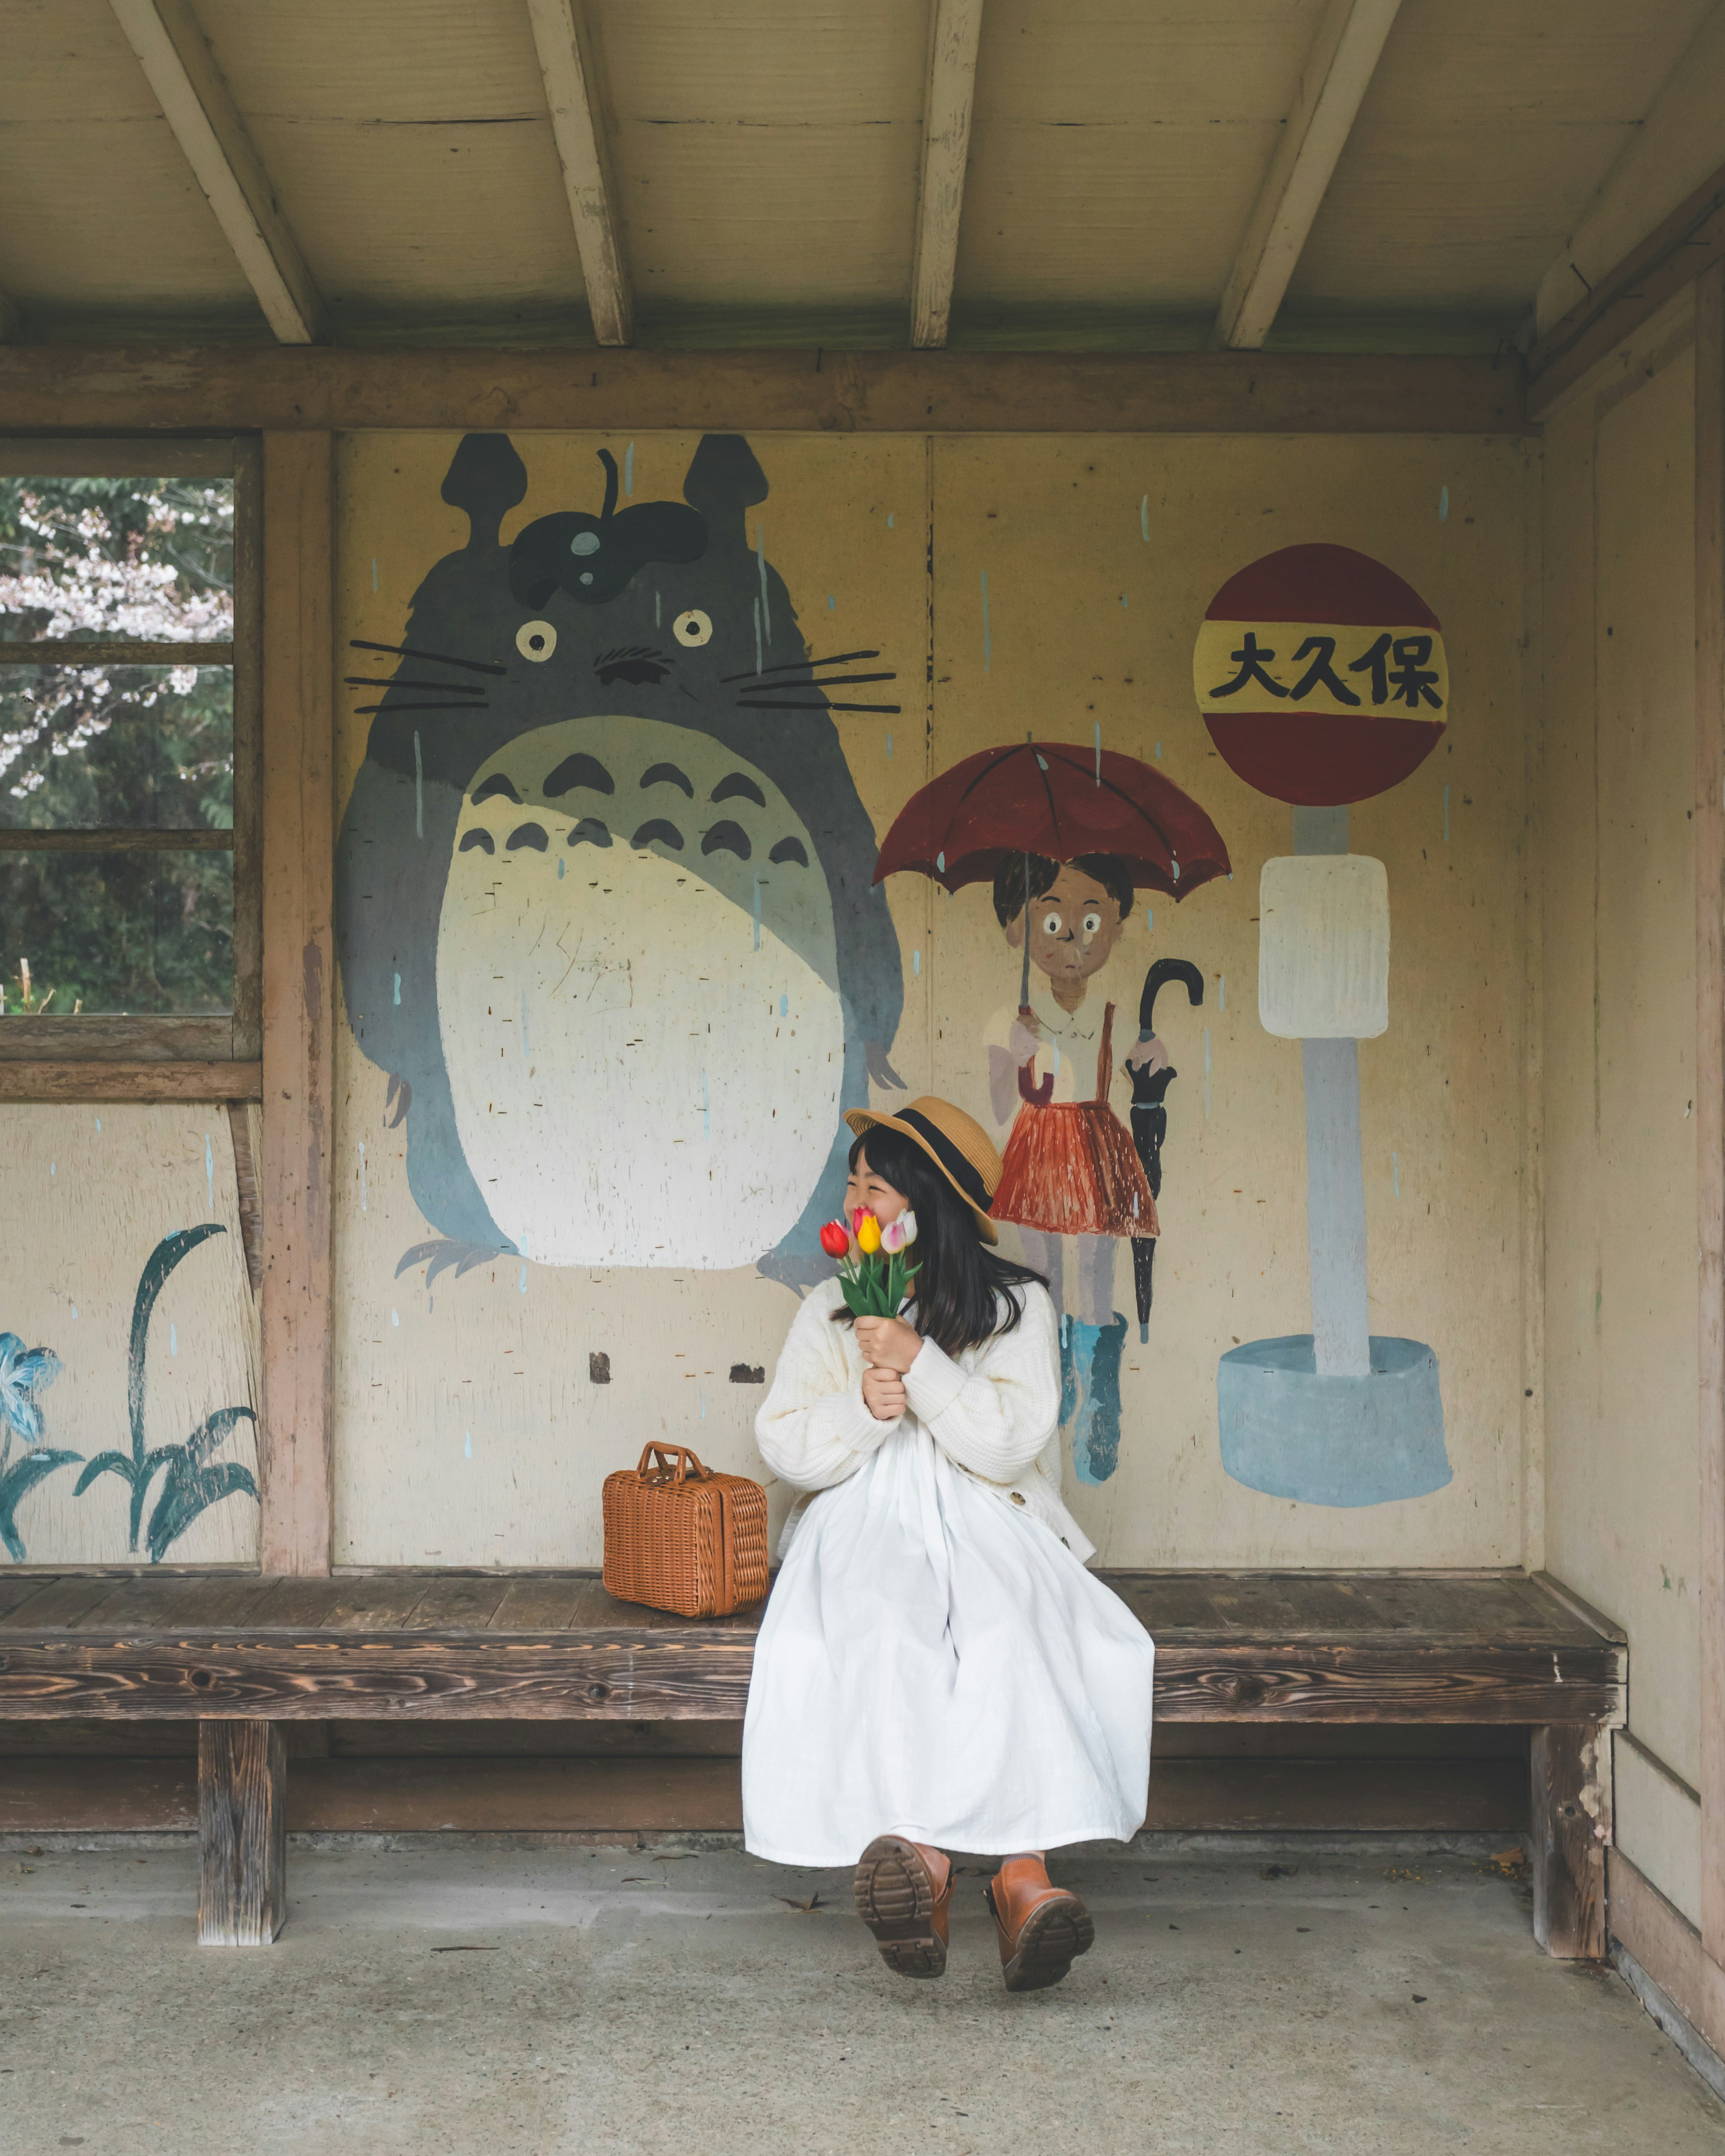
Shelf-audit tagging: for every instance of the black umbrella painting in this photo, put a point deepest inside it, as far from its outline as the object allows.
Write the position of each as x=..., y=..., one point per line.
x=1149, y=1115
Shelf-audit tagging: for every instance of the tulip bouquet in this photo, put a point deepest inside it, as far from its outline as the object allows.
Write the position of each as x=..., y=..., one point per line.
x=873, y=1271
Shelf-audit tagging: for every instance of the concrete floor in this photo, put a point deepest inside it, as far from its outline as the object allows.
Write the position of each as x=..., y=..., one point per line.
x=482, y=1999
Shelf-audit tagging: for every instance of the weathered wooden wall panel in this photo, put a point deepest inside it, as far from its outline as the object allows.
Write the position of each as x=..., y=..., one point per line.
x=1051, y=586
x=1622, y=1369
x=105, y=1204
x=298, y=999
x=1096, y=626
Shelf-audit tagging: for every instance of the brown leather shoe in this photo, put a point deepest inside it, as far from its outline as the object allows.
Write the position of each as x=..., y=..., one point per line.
x=903, y=1894
x=1042, y=1928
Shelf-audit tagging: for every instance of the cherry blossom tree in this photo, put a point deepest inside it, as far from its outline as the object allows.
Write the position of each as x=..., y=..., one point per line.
x=111, y=745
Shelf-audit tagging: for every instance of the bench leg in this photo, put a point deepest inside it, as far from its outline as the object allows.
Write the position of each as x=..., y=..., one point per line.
x=242, y=1833
x=1571, y=1819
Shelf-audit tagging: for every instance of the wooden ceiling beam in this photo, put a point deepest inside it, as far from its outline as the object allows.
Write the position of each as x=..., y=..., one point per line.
x=195, y=101
x=66, y=389
x=1632, y=291
x=1344, y=57
x=954, y=34
x=570, y=87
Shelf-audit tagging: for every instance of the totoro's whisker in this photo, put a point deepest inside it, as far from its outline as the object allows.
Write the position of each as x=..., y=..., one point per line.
x=754, y=704
x=415, y=651
x=826, y=681
x=360, y=709
x=800, y=666
x=443, y=688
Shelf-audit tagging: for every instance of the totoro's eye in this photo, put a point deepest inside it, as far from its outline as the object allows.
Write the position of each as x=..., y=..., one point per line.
x=693, y=629
x=535, y=641
x=1050, y=924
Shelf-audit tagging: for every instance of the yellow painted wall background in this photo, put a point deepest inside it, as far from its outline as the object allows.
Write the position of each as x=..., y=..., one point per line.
x=1622, y=1485
x=469, y=1427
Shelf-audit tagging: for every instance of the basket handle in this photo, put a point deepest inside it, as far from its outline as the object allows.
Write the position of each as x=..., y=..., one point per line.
x=675, y=1463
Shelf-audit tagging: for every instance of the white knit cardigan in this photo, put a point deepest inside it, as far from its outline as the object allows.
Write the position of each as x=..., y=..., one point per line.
x=993, y=1410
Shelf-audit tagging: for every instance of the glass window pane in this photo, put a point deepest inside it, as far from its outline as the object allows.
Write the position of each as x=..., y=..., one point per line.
x=98, y=746
x=116, y=557
x=151, y=934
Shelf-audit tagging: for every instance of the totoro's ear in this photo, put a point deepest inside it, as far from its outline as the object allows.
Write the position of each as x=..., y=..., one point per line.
x=486, y=479
x=724, y=479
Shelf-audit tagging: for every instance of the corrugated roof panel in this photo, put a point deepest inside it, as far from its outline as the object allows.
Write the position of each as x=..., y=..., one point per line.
x=412, y=153
x=98, y=207
x=1118, y=148
x=1487, y=128
x=766, y=150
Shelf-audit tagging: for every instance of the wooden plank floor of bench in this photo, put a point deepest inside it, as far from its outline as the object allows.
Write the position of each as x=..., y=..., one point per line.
x=1231, y=1646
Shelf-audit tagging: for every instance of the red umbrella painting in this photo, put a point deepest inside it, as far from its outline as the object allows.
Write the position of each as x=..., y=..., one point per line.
x=1039, y=809
x=1058, y=800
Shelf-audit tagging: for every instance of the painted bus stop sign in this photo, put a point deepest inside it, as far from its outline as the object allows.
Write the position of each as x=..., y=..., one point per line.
x=1322, y=677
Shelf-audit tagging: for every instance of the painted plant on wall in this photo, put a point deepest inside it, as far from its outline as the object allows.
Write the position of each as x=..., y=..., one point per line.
x=192, y=1478
x=26, y=1456
x=1064, y=839
x=604, y=910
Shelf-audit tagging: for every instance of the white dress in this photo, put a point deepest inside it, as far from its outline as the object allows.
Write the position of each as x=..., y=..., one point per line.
x=935, y=1659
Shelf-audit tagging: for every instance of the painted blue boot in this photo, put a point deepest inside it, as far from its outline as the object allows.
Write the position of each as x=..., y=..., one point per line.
x=1102, y=1404
x=1069, y=1371
x=1082, y=1341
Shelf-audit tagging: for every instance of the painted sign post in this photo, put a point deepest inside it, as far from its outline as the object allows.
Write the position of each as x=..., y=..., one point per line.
x=1323, y=679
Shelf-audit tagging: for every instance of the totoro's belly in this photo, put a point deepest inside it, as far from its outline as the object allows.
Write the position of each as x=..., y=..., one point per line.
x=638, y=999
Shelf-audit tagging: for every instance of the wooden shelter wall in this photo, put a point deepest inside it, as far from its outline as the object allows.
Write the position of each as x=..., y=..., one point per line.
x=466, y=1426
x=1622, y=1512
x=1043, y=583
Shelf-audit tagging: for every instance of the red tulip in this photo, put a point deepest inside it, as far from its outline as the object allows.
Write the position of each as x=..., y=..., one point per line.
x=835, y=1239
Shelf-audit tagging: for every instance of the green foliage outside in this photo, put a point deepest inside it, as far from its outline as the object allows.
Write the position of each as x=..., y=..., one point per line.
x=115, y=746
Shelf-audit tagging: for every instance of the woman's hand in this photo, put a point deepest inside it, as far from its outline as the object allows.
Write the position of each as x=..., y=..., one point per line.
x=888, y=1342
x=883, y=1393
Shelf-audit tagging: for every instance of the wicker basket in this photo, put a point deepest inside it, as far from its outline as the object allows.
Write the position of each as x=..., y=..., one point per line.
x=679, y=1537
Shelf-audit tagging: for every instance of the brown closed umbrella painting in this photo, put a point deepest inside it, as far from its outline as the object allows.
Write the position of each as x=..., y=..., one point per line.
x=1066, y=836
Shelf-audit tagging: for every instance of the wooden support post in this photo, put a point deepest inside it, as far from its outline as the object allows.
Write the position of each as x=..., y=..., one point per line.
x=299, y=968
x=242, y=1833
x=1570, y=1820
x=1710, y=1100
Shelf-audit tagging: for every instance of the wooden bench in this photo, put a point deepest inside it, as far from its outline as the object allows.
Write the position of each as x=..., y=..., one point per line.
x=242, y=1655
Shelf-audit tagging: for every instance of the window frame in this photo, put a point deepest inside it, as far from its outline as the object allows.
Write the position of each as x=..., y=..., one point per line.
x=163, y=1057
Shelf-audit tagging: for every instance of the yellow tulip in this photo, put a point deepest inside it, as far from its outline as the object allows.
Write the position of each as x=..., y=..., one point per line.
x=868, y=1234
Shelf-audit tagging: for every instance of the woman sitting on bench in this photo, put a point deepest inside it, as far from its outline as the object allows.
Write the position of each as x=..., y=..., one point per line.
x=936, y=1669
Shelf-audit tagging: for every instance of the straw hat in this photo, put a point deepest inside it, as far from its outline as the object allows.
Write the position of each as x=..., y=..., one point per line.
x=956, y=1143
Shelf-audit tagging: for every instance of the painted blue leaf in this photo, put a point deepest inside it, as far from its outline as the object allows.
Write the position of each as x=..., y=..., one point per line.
x=187, y=1492
x=209, y=1433
x=104, y=1463
x=16, y=1485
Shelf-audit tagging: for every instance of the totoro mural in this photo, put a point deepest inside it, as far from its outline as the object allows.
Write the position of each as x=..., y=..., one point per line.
x=604, y=872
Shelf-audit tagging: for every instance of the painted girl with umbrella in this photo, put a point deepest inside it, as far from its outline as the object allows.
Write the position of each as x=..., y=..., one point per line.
x=1065, y=838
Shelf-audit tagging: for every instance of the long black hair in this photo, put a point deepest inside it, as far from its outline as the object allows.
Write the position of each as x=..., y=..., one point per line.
x=961, y=1281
